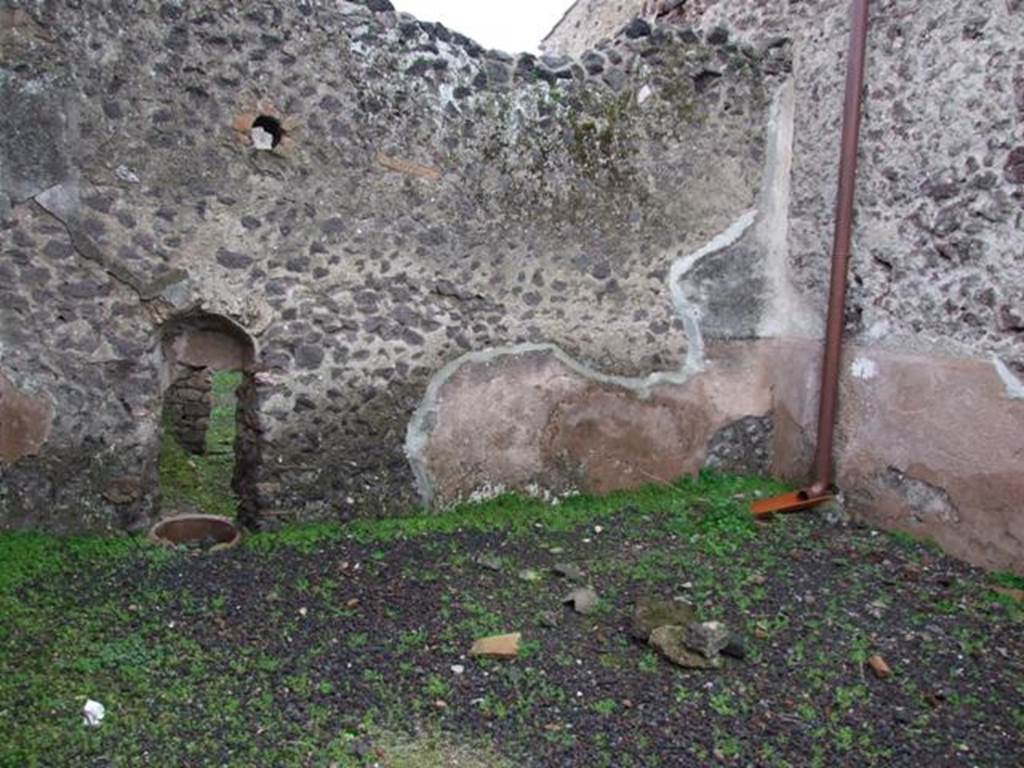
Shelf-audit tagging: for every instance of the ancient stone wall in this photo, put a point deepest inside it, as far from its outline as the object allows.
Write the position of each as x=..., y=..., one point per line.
x=462, y=271
x=425, y=198
x=938, y=264
x=940, y=230
x=187, y=406
x=588, y=22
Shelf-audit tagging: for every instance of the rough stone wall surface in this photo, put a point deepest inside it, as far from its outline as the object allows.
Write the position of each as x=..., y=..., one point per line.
x=552, y=242
x=742, y=447
x=937, y=263
x=940, y=225
x=187, y=406
x=427, y=198
x=938, y=260
x=587, y=22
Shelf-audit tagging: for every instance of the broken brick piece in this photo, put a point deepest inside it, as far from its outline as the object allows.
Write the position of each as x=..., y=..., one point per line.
x=879, y=667
x=497, y=646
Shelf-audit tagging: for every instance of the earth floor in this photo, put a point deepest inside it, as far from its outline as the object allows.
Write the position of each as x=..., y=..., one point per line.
x=347, y=645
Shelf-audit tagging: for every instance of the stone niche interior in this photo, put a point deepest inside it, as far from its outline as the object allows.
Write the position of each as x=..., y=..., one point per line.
x=193, y=348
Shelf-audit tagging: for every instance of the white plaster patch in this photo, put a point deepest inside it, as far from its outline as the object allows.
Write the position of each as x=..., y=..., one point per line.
x=124, y=173
x=548, y=496
x=446, y=97
x=1014, y=386
x=787, y=313
x=879, y=330
x=864, y=368
x=486, y=492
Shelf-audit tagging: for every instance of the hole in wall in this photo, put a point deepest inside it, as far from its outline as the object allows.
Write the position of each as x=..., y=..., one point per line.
x=266, y=132
x=209, y=440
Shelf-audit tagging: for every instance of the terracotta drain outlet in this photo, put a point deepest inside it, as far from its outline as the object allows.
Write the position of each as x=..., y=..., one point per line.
x=209, y=533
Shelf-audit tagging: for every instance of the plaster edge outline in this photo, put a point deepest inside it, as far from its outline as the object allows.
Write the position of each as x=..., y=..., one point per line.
x=1014, y=386
x=689, y=314
x=425, y=416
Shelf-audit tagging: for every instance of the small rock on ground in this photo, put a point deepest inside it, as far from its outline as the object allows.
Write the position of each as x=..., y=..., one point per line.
x=567, y=571
x=583, y=600
x=653, y=612
x=879, y=667
x=669, y=641
x=490, y=562
x=548, y=619
x=707, y=638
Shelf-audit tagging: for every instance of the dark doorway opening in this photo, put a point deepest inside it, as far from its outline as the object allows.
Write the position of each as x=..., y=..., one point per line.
x=209, y=445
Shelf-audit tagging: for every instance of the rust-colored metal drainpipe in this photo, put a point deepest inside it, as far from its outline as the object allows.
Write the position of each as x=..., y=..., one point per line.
x=822, y=487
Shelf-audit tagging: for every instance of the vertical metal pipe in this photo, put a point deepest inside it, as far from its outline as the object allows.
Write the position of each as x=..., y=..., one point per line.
x=841, y=247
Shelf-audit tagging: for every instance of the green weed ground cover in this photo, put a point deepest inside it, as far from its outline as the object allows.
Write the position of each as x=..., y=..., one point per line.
x=119, y=620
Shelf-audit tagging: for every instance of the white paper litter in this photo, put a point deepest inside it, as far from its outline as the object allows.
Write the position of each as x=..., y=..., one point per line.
x=93, y=713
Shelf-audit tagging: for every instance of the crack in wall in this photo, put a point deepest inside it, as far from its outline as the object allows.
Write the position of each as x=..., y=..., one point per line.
x=58, y=202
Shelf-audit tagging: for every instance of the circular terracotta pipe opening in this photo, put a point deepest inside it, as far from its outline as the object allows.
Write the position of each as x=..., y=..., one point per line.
x=210, y=533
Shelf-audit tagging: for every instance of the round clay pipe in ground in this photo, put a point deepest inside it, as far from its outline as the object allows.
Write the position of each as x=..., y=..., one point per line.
x=220, y=532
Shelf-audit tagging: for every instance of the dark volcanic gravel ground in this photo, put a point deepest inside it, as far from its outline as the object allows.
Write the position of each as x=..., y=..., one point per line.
x=260, y=647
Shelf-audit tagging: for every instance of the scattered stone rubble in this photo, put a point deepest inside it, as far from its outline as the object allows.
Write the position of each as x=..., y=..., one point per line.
x=670, y=625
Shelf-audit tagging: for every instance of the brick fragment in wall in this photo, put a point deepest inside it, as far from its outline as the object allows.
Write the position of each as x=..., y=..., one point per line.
x=25, y=422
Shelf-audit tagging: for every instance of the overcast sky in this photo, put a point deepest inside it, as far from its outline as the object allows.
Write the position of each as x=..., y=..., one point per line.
x=509, y=25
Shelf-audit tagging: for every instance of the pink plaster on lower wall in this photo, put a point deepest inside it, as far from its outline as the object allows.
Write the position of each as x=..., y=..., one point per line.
x=527, y=420
x=929, y=445
x=946, y=425
x=25, y=422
